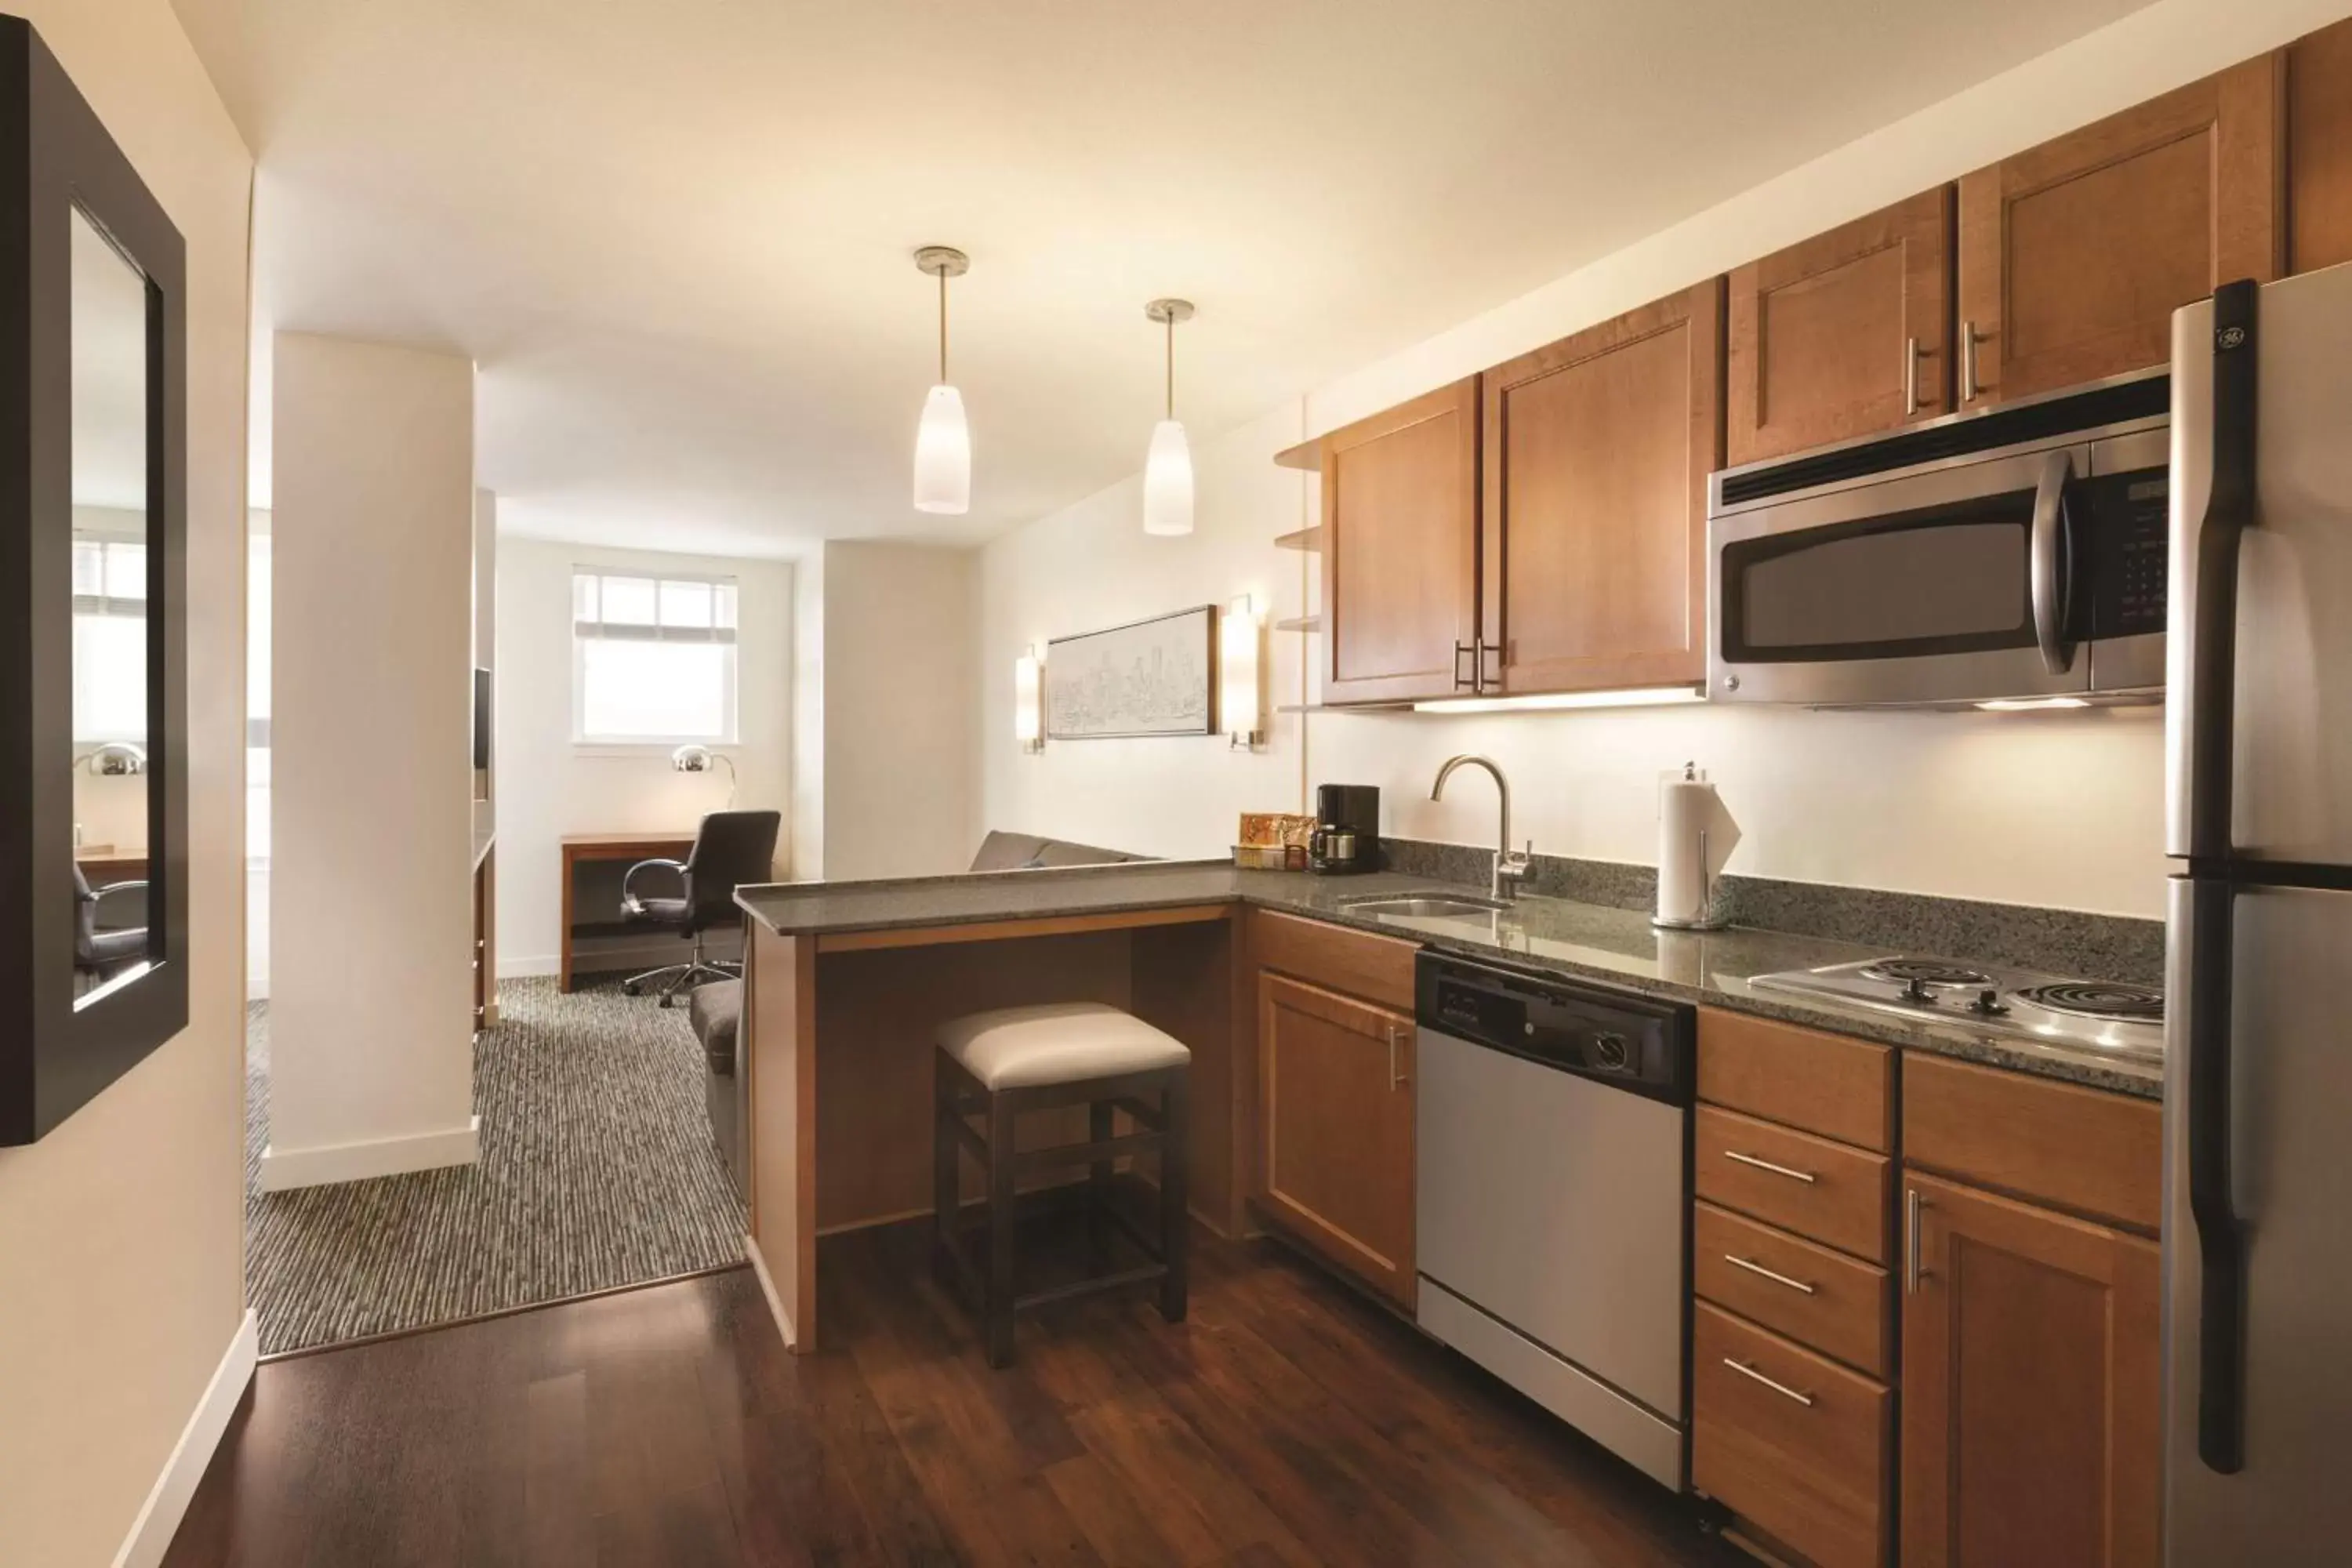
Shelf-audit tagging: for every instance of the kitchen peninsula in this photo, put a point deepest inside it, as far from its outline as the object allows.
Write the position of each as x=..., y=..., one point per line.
x=846, y=982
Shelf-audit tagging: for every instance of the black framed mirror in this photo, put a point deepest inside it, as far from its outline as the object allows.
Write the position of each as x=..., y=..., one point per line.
x=93, y=529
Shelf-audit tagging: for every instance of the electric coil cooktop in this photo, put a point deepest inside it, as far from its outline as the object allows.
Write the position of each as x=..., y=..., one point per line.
x=2096, y=1016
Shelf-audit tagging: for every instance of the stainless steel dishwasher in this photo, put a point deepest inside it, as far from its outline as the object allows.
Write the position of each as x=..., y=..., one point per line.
x=1553, y=1201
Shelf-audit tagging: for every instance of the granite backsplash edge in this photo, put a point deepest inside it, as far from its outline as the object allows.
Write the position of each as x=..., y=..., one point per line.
x=2068, y=943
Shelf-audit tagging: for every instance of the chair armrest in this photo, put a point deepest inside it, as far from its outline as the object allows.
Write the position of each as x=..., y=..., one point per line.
x=98, y=893
x=629, y=900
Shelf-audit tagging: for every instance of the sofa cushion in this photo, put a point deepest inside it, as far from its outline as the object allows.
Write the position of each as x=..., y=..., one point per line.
x=1025, y=851
x=715, y=1010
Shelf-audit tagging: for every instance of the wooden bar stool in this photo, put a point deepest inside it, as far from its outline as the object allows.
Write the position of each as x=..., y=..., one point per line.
x=997, y=1065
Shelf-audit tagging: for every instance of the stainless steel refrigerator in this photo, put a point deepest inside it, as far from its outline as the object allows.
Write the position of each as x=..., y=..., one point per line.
x=2258, y=1078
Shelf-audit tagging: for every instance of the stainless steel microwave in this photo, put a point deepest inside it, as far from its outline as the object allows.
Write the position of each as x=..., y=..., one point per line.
x=2010, y=555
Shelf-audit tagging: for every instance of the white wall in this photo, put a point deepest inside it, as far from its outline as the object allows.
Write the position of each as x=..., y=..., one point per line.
x=1093, y=566
x=807, y=861
x=122, y=1279
x=371, y=1031
x=2053, y=809
x=547, y=787
x=897, y=710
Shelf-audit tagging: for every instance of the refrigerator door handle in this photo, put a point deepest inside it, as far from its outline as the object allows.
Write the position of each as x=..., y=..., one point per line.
x=2212, y=758
x=2049, y=565
x=2221, y=1236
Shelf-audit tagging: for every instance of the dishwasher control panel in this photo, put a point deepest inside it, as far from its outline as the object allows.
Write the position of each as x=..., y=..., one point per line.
x=1644, y=1043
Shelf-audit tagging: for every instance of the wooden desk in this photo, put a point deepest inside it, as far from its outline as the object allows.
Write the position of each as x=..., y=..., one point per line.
x=102, y=864
x=838, y=1061
x=627, y=847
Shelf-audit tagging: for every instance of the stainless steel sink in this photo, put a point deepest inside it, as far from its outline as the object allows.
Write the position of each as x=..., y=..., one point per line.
x=1425, y=907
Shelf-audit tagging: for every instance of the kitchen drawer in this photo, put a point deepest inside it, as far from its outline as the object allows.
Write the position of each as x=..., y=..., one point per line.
x=1809, y=1462
x=1838, y=1087
x=1353, y=963
x=1826, y=1191
x=1819, y=1297
x=2081, y=1149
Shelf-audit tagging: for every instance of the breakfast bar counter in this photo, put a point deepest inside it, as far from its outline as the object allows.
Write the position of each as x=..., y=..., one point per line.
x=845, y=984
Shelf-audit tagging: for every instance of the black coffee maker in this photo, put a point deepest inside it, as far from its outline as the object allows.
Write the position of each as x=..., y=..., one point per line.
x=1347, y=829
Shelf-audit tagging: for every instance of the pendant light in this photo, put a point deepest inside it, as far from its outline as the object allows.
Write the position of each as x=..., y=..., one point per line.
x=942, y=441
x=1168, y=466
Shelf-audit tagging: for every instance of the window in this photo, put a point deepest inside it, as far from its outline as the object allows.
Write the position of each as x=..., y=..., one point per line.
x=653, y=658
x=110, y=640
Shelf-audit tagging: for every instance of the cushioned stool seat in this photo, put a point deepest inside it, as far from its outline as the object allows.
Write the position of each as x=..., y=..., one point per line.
x=996, y=1064
x=1061, y=1042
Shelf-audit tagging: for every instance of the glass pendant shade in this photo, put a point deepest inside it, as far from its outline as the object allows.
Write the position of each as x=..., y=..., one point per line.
x=943, y=455
x=1168, y=481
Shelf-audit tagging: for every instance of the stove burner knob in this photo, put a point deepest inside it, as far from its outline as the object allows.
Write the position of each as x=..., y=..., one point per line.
x=1918, y=992
x=1989, y=1003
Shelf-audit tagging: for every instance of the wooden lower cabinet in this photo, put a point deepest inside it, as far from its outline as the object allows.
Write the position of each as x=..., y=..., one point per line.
x=2032, y=1423
x=1790, y=1441
x=1336, y=1117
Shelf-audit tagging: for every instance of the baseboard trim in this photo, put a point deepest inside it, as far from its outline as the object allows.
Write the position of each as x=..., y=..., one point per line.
x=167, y=1502
x=767, y=1289
x=283, y=1170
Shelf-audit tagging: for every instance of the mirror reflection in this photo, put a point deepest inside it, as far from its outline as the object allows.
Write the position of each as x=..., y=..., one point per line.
x=108, y=329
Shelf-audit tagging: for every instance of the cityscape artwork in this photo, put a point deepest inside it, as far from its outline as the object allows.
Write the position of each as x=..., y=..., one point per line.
x=1152, y=677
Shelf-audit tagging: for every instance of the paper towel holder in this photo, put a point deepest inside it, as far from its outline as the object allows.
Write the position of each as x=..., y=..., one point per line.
x=1711, y=917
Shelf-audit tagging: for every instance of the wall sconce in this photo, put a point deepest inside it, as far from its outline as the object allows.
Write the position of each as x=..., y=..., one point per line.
x=693, y=759
x=1240, y=704
x=1028, y=704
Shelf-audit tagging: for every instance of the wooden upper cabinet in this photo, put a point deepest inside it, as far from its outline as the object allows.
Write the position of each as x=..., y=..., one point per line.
x=1401, y=549
x=1843, y=335
x=1336, y=1116
x=2319, y=149
x=2073, y=255
x=2032, y=1423
x=1597, y=452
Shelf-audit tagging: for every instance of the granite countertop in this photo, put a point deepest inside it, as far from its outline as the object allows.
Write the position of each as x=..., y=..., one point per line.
x=1586, y=941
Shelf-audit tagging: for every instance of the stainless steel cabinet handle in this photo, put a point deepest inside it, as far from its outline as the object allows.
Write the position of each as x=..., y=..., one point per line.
x=1910, y=375
x=1782, y=1389
x=1777, y=1279
x=1912, y=1203
x=1396, y=1081
x=1805, y=1176
x=1968, y=362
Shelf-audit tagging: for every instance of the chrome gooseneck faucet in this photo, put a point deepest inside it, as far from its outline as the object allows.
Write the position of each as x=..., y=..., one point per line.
x=1511, y=866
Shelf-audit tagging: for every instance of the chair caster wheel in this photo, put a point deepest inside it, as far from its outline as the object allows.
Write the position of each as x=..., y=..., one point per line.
x=666, y=1001
x=631, y=988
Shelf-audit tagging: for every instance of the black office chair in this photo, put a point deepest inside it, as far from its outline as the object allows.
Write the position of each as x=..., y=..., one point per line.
x=731, y=848
x=97, y=953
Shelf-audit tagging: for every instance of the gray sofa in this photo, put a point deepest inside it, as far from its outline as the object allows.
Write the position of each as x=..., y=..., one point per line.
x=715, y=1010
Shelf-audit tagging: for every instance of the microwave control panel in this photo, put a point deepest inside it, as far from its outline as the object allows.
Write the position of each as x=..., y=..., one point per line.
x=2123, y=536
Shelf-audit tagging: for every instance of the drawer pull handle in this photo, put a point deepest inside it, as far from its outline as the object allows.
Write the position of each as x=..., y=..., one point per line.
x=1804, y=1177
x=1777, y=1279
x=1782, y=1389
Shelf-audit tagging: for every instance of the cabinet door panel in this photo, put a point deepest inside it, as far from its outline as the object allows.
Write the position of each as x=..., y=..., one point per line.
x=2075, y=254
x=1843, y=335
x=2031, y=1413
x=1338, y=1116
x=1401, y=549
x=2319, y=149
x=1598, y=450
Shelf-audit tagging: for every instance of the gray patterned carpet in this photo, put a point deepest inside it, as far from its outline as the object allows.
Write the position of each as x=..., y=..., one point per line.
x=597, y=1171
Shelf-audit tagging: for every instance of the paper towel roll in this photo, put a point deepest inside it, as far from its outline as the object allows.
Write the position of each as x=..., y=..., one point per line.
x=1695, y=836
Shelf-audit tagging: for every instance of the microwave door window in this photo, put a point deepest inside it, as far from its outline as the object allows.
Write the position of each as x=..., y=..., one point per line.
x=1956, y=582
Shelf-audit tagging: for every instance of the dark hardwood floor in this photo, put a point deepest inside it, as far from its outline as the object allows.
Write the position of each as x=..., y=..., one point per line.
x=1287, y=1422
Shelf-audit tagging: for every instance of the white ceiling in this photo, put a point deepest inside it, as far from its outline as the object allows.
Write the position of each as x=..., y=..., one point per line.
x=676, y=235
